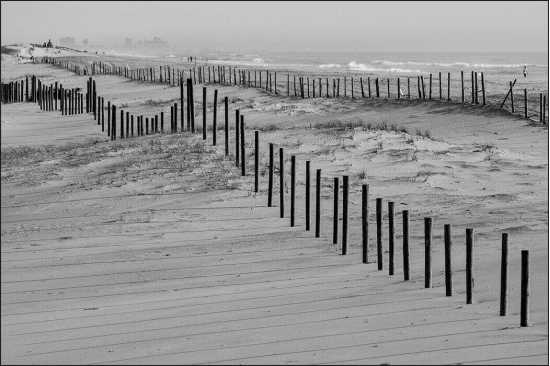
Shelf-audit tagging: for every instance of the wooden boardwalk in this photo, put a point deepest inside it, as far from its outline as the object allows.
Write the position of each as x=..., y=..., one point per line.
x=216, y=277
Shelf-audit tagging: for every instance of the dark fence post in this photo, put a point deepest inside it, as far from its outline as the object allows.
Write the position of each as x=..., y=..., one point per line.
x=483, y=88
x=524, y=310
x=181, y=105
x=391, y=237
x=525, y=103
x=215, y=115
x=335, y=212
x=237, y=150
x=243, y=154
x=292, y=188
x=256, y=158
x=448, y=270
x=364, y=220
x=204, y=113
x=318, y=206
x=406, y=274
x=281, y=183
x=226, y=107
x=503, y=274
x=469, y=280
x=379, y=233
x=308, y=184
x=345, y=195
x=427, y=252
x=270, y=184
x=462, y=85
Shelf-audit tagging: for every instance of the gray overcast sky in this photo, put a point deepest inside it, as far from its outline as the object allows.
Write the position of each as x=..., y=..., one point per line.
x=323, y=26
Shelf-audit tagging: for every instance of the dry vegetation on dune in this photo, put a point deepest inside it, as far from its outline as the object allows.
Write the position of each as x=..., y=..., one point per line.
x=93, y=163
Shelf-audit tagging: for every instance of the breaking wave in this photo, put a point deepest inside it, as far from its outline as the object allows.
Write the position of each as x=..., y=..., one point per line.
x=451, y=64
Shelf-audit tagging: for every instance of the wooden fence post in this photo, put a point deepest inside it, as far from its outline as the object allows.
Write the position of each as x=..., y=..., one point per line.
x=449, y=86
x=503, y=274
x=448, y=270
x=318, y=205
x=406, y=274
x=243, y=153
x=462, y=86
x=281, y=183
x=379, y=233
x=256, y=158
x=512, y=96
x=483, y=88
x=308, y=185
x=204, y=112
x=181, y=106
x=524, y=309
x=237, y=150
x=336, y=188
x=391, y=232
x=427, y=252
x=215, y=115
x=292, y=188
x=525, y=103
x=270, y=184
x=430, y=88
x=365, y=220
x=226, y=127
x=469, y=279
x=345, y=194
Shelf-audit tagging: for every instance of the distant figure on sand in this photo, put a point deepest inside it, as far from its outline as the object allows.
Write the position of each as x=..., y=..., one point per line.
x=525, y=71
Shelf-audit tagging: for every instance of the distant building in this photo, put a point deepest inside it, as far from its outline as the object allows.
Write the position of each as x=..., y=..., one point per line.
x=67, y=41
x=128, y=42
x=155, y=42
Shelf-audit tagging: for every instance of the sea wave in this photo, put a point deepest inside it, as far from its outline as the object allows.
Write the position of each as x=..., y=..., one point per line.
x=368, y=68
x=330, y=66
x=453, y=64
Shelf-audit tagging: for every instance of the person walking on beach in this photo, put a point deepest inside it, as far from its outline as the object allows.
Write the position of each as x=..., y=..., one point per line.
x=525, y=71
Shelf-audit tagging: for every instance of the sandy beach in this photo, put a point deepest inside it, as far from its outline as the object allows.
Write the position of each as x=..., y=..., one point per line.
x=155, y=249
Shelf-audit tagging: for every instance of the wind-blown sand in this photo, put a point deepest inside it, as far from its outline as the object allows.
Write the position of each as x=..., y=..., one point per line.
x=155, y=250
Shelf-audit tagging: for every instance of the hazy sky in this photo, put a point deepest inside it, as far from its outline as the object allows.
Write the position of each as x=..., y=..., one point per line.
x=320, y=26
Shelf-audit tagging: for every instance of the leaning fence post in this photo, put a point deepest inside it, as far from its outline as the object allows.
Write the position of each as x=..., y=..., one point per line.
x=524, y=310
x=448, y=270
x=512, y=96
x=364, y=221
x=469, y=279
x=318, y=204
x=379, y=233
x=427, y=252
